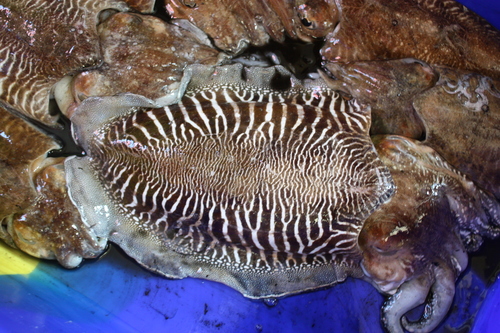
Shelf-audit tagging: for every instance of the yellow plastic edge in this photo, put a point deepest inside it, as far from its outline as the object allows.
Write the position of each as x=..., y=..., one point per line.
x=13, y=261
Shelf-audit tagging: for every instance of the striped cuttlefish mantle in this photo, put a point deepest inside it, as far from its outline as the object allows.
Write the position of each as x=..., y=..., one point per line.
x=253, y=177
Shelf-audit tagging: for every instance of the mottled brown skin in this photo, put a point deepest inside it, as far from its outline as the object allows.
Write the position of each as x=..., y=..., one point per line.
x=51, y=228
x=36, y=214
x=143, y=6
x=389, y=87
x=20, y=161
x=406, y=227
x=440, y=32
x=462, y=119
x=423, y=232
x=234, y=25
x=455, y=112
x=142, y=54
x=307, y=20
x=317, y=17
x=40, y=46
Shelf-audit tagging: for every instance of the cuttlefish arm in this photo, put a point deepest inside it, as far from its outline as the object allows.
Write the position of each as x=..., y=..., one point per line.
x=439, y=281
x=414, y=245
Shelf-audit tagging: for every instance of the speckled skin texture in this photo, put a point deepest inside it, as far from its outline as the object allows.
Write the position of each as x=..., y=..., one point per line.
x=437, y=32
x=143, y=6
x=18, y=169
x=456, y=112
x=234, y=25
x=419, y=239
x=38, y=47
x=389, y=87
x=36, y=214
x=462, y=117
x=144, y=55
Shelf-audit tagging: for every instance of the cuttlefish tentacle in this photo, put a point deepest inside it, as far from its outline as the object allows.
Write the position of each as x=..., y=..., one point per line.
x=413, y=245
x=442, y=292
x=439, y=283
x=410, y=295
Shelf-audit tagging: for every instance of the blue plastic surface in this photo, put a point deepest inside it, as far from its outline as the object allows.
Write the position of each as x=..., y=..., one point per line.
x=113, y=294
x=487, y=319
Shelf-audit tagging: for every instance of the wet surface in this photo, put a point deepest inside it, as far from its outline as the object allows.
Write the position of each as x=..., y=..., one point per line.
x=114, y=294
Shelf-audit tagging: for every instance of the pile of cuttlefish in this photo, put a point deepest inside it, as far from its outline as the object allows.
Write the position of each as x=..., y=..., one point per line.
x=202, y=151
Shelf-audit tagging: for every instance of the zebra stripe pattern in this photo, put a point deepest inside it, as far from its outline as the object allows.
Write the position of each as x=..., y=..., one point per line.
x=252, y=178
x=41, y=42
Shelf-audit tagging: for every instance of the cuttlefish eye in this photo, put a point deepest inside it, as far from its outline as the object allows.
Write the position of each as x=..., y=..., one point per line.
x=318, y=17
x=303, y=16
x=302, y=13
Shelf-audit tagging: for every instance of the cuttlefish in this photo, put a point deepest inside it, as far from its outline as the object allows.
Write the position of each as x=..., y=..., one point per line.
x=36, y=214
x=272, y=186
x=447, y=197
x=415, y=246
x=456, y=112
x=38, y=47
x=235, y=25
x=439, y=32
x=145, y=55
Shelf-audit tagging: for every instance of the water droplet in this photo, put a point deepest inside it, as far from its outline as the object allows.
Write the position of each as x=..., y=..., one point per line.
x=270, y=302
x=258, y=328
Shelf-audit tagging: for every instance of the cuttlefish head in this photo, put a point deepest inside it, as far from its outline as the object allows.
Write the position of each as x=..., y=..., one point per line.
x=315, y=18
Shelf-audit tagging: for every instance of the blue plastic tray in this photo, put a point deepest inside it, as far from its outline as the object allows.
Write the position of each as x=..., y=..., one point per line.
x=113, y=294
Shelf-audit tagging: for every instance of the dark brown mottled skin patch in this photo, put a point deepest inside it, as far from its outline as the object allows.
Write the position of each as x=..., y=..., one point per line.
x=52, y=225
x=16, y=191
x=141, y=54
x=389, y=87
x=235, y=24
x=435, y=31
x=468, y=139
